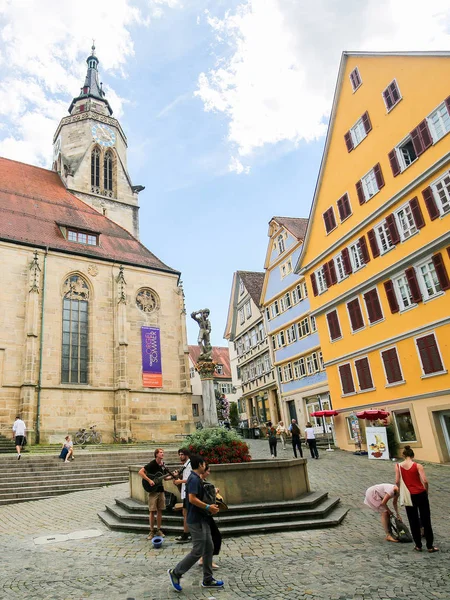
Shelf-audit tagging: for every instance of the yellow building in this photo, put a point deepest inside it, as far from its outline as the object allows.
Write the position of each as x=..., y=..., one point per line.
x=377, y=252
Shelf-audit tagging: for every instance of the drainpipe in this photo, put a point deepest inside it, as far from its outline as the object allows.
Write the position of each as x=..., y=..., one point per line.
x=41, y=351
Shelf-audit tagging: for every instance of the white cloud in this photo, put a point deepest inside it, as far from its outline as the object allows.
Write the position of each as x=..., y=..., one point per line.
x=43, y=46
x=277, y=61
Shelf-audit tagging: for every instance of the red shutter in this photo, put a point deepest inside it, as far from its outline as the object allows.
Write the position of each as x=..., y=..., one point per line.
x=395, y=165
x=391, y=365
x=394, y=91
x=314, y=284
x=373, y=306
x=417, y=141
x=447, y=104
x=429, y=354
x=441, y=271
x=413, y=284
x=366, y=122
x=378, y=176
x=430, y=203
x=387, y=99
x=333, y=325
x=341, y=210
x=347, y=262
x=348, y=141
x=417, y=213
x=393, y=230
x=332, y=218
x=364, y=249
x=364, y=376
x=373, y=243
x=355, y=314
x=425, y=134
x=346, y=204
x=391, y=297
x=326, y=274
x=332, y=270
x=329, y=220
x=345, y=373
x=343, y=205
x=360, y=192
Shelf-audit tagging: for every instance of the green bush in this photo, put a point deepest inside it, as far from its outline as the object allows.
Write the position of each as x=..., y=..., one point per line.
x=218, y=445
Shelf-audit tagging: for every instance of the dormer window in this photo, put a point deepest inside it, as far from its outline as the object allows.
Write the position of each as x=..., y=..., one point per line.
x=82, y=237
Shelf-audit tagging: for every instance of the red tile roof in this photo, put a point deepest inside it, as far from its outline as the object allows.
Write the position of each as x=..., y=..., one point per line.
x=296, y=226
x=220, y=355
x=34, y=201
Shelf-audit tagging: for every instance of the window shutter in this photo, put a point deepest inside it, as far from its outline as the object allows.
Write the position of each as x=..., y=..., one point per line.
x=364, y=376
x=429, y=354
x=378, y=176
x=373, y=306
x=391, y=365
x=366, y=122
x=364, y=249
x=441, y=271
x=373, y=243
x=326, y=274
x=356, y=318
x=393, y=230
x=417, y=141
x=343, y=205
x=391, y=297
x=447, y=104
x=340, y=206
x=348, y=141
x=387, y=98
x=345, y=373
x=430, y=203
x=347, y=261
x=332, y=270
x=314, y=284
x=395, y=165
x=329, y=220
x=333, y=325
x=395, y=94
x=413, y=284
x=360, y=192
x=332, y=218
x=417, y=213
x=425, y=134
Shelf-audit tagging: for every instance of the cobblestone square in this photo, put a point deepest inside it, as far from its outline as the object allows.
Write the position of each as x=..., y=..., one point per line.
x=349, y=562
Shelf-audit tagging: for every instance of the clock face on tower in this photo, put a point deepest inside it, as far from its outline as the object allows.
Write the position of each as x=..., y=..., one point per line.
x=103, y=135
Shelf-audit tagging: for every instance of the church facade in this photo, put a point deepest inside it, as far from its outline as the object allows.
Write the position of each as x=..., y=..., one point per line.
x=92, y=324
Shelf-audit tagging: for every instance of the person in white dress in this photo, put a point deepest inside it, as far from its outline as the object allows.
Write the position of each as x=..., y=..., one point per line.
x=377, y=498
x=282, y=432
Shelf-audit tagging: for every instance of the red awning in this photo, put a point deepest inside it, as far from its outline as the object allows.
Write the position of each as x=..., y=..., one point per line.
x=324, y=413
x=372, y=414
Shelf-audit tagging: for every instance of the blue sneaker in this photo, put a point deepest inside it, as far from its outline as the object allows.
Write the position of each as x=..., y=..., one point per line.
x=214, y=583
x=175, y=581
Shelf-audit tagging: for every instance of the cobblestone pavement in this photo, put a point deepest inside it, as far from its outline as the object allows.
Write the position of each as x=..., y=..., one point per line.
x=349, y=562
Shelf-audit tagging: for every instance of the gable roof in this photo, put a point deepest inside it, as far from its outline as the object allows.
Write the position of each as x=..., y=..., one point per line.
x=34, y=204
x=296, y=226
x=253, y=282
x=220, y=355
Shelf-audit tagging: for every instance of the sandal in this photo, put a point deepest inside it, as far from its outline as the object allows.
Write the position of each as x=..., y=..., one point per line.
x=417, y=549
x=434, y=549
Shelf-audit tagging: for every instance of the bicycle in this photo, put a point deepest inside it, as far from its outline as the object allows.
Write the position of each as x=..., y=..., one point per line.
x=83, y=436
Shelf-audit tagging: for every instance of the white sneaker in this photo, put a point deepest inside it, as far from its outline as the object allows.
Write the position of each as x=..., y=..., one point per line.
x=18, y=457
x=273, y=456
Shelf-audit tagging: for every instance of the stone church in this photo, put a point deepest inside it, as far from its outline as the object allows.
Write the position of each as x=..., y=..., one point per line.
x=92, y=324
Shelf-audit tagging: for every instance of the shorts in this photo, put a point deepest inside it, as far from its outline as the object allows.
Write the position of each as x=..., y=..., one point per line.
x=185, y=503
x=156, y=501
x=19, y=440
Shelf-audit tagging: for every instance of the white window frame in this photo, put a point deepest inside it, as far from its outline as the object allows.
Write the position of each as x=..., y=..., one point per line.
x=320, y=281
x=321, y=362
x=383, y=236
x=248, y=309
x=368, y=181
x=261, y=332
x=339, y=266
x=287, y=372
x=388, y=110
x=402, y=161
x=421, y=278
x=358, y=132
x=305, y=290
x=360, y=80
x=267, y=365
x=400, y=381
x=281, y=339
x=241, y=288
x=444, y=370
x=274, y=309
x=296, y=294
x=443, y=206
x=241, y=316
x=313, y=324
x=247, y=342
x=434, y=133
x=400, y=281
x=286, y=269
x=302, y=326
x=254, y=337
x=280, y=244
x=299, y=367
x=356, y=257
x=406, y=224
x=400, y=410
x=309, y=365
x=291, y=335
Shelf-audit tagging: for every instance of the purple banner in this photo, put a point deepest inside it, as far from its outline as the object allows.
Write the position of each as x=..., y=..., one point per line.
x=151, y=357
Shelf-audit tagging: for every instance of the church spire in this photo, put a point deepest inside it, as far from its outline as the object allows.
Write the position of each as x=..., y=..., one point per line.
x=91, y=88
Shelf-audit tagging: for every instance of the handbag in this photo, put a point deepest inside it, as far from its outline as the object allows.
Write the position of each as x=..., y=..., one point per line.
x=405, y=495
x=399, y=531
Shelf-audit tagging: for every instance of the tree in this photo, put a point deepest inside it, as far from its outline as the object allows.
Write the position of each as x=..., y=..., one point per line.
x=234, y=415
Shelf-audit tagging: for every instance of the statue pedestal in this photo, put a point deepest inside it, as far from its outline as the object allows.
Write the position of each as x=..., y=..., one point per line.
x=206, y=370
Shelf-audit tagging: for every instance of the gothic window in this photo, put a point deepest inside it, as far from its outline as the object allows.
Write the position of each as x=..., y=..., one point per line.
x=108, y=171
x=95, y=170
x=75, y=348
x=147, y=300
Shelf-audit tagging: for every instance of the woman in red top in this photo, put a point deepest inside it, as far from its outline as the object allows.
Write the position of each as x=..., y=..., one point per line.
x=415, y=480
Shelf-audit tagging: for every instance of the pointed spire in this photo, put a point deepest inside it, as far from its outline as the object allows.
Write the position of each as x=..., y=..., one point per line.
x=92, y=88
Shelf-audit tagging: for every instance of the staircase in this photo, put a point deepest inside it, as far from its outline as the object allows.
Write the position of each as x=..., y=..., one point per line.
x=38, y=477
x=8, y=446
x=312, y=510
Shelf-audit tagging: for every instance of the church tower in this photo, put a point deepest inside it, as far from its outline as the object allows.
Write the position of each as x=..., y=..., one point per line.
x=90, y=154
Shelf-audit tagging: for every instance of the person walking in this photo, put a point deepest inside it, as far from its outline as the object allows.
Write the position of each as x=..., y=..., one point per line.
x=282, y=432
x=377, y=498
x=210, y=493
x=156, y=497
x=197, y=519
x=184, y=456
x=311, y=440
x=19, y=433
x=296, y=442
x=272, y=435
x=414, y=478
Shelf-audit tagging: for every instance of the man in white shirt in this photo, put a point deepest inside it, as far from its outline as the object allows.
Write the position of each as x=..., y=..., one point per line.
x=185, y=537
x=19, y=430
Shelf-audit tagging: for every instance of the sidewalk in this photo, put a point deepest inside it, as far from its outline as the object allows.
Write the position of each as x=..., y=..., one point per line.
x=350, y=562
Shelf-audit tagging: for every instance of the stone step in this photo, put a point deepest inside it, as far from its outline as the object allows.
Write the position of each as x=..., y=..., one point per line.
x=21, y=495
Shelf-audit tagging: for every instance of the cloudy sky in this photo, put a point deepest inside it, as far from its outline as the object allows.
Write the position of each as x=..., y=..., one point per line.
x=225, y=104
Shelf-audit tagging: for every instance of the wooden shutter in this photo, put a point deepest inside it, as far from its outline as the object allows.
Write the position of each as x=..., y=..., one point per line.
x=395, y=165
x=441, y=271
x=413, y=284
x=348, y=141
x=332, y=270
x=329, y=220
x=360, y=192
x=430, y=203
x=417, y=213
x=373, y=306
x=429, y=354
x=345, y=373
x=355, y=78
x=393, y=230
x=391, y=365
x=347, y=262
x=378, y=176
x=333, y=325
x=366, y=122
x=332, y=218
x=355, y=314
x=425, y=134
x=341, y=209
x=391, y=297
x=373, y=243
x=417, y=141
x=364, y=376
x=326, y=274
x=314, y=284
x=395, y=93
x=447, y=104
x=343, y=205
x=387, y=99
x=364, y=249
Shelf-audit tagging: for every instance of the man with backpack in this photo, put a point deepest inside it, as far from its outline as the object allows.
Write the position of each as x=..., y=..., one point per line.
x=296, y=442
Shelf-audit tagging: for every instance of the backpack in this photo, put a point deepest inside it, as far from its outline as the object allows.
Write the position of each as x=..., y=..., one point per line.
x=399, y=531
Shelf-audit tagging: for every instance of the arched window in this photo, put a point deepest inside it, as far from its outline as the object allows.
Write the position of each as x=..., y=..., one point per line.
x=95, y=170
x=108, y=171
x=75, y=347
